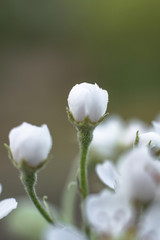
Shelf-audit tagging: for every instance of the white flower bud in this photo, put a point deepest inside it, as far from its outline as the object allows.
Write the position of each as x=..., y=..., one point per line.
x=87, y=100
x=30, y=143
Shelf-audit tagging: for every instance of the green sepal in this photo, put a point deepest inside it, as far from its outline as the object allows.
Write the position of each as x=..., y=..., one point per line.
x=86, y=122
x=23, y=165
x=10, y=155
x=136, y=142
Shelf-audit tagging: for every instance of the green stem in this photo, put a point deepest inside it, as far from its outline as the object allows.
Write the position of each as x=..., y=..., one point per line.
x=83, y=172
x=85, y=137
x=29, y=180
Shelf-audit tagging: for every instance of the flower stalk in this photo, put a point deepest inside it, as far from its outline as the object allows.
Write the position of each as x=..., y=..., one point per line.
x=85, y=135
x=28, y=178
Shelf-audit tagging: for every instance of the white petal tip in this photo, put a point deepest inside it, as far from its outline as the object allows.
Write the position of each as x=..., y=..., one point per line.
x=6, y=206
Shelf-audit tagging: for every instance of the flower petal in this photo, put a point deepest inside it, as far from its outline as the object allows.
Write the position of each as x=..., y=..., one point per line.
x=6, y=206
x=108, y=174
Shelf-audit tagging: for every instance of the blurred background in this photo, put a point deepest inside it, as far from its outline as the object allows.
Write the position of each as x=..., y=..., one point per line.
x=46, y=47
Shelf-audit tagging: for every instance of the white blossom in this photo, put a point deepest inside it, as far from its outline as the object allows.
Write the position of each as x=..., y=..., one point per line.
x=115, y=135
x=137, y=175
x=63, y=233
x=87, y=100
x=30, y=143
x=6, y=205
x=108, y=213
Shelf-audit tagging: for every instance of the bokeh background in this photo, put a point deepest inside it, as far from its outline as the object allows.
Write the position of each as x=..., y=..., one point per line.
x=46, y=47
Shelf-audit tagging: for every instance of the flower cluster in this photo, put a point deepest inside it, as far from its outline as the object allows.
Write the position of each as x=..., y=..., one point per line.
x=133, y=195
x=126, y=157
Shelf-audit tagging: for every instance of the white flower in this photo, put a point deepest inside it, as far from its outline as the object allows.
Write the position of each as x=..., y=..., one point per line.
x=87, y=99
x=30, y=143
x=140, y=174
x=108, y=213
x=137, y=176
x=115, y=135
x=108, y=174
x=63, y=233
x=6, y=205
